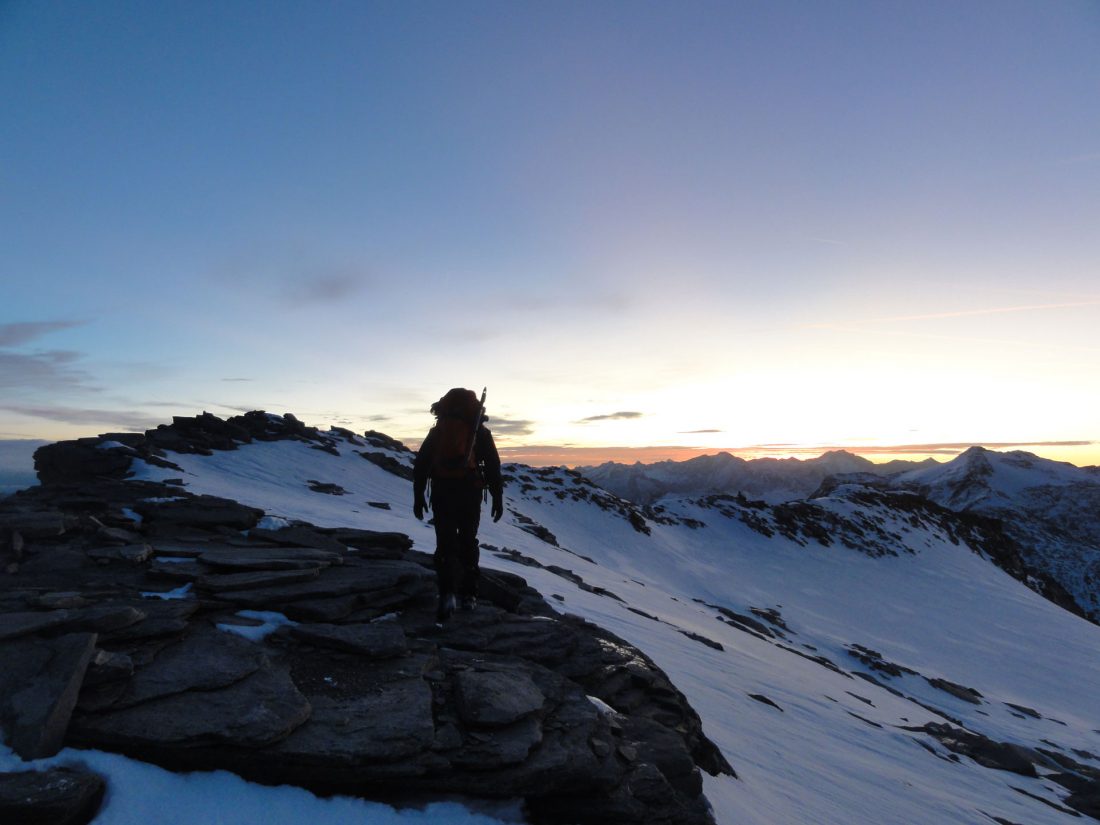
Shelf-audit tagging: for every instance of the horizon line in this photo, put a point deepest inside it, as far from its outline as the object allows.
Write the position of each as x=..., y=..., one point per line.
x=573, y=456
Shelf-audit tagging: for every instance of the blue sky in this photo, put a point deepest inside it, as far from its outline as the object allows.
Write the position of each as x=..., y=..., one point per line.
x=862, y=224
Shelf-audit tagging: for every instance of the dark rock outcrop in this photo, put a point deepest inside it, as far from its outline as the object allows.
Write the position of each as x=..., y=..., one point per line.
x=364, y=695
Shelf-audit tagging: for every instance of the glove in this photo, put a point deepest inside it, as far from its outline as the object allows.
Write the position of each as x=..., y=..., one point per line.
x=498, y=507
x=419, y=505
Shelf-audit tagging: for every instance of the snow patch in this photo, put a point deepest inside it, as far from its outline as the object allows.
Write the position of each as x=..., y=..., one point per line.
x=269, y=623
x=183, y=592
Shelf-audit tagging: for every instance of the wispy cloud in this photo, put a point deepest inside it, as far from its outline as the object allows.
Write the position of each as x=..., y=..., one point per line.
x=234, y=380
x=127, y=419
x=14, y=335
x=696, y=432
x=965, y=313
x=1073, y=160
x=325, y=287
x=615, y=416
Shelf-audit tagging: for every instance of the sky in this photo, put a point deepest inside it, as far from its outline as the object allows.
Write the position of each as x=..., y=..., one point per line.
x=650, y=229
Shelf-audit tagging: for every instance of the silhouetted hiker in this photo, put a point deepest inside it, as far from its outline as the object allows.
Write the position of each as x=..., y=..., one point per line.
x=458, y=474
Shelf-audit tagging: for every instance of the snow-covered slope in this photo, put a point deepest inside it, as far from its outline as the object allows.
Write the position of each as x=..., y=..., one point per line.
x=1051, y=509
x=820, y=670
x=770, y=479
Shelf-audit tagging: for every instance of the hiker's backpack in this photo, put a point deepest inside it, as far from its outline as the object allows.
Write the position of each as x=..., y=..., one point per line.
x=452, y=448
x=457, y=415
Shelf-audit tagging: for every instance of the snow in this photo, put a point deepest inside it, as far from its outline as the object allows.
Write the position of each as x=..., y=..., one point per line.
x=139, y=793
x=181, y=592
x=273, y=523
x=113, y=445
x=130, y=514
x=269, y=622
x=938, y=608
x=602, y=706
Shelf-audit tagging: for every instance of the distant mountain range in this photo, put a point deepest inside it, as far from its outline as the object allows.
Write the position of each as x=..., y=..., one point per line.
x=771, y=479
x=1050, y=509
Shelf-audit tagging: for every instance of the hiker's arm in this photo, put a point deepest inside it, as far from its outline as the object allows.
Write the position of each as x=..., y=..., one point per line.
x=487, y=454
x=422, y=467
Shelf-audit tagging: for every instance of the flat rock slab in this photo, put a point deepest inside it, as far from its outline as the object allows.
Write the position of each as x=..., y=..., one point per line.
x=301, y=536
x=34, y=524
x=373, y=543
x=496, y=698
x=14, y=625
x=257, y=711
x=163, y=617
x=129, y=553
x=206, y=659
x=200, y=511
x=175, y=570
x=373, y=641
x=270, y=558
x=39, y=685
x=393, y=721
x=349, y=580
x=508, y=745
x=103, y=618
x=60, y=796
x=251, y=579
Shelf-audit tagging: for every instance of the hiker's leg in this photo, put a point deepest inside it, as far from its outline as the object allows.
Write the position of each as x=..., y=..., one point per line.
x=447, y=548
x=469, y=551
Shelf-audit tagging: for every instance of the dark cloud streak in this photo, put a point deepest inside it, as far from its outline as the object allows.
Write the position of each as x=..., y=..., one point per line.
x=511, y=426
x=50, y=371
x=623, y=415
x=14, y=335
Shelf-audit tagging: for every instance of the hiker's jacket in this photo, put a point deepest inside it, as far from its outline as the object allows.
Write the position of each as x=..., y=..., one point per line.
x=485, y=455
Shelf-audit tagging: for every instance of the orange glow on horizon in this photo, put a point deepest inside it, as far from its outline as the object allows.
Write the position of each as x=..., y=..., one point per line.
x=1080, y=453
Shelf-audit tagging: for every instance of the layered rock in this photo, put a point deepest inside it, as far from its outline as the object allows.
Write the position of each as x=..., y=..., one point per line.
x=310, y=656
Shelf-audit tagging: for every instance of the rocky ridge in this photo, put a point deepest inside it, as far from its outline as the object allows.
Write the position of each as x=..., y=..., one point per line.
x=187, y=631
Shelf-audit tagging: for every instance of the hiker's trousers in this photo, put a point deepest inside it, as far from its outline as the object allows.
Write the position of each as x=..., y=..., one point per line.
x=456, y=510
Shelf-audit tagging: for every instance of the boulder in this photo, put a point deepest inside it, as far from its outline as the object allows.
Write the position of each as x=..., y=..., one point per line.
x=57, y=796
x=79, y=460
x=39, y=685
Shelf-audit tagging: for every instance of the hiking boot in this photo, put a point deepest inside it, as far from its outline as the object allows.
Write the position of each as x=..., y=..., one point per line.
x=445, y=609
x=468, y=602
